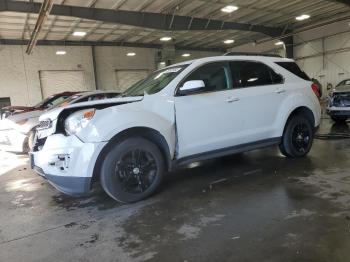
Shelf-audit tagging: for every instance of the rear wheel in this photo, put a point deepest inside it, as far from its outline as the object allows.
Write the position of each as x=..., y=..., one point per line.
x=339, y=119
x=132, y=170
x=297, y=137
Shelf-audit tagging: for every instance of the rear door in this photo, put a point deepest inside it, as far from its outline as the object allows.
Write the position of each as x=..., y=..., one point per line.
x=260, y=91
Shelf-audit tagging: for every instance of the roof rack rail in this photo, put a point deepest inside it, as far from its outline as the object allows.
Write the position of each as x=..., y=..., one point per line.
x=250, y=54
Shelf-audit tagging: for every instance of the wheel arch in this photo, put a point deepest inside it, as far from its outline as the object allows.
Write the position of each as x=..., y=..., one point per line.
x=301, y=110
x=145, y=132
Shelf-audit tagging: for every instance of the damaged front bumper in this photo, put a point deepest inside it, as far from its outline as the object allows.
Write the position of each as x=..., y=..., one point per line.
x=67, y=163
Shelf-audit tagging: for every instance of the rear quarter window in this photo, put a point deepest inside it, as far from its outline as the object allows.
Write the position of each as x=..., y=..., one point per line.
x=294, y=69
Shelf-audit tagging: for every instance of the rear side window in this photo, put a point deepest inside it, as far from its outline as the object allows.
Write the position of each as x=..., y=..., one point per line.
x=294, y=69
x=248, y=74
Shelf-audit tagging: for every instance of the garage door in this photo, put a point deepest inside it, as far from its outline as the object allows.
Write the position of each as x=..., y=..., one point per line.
x=53, y=82
x=126, y=78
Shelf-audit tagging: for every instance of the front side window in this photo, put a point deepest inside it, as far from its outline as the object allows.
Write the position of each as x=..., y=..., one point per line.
x=214, y=75
x=248, y=74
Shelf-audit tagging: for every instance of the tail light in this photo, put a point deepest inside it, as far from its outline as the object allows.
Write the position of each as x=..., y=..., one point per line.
x=315, y=89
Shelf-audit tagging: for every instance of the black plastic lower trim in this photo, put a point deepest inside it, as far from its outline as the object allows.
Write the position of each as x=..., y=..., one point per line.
x=227, y=151
x=74, y=186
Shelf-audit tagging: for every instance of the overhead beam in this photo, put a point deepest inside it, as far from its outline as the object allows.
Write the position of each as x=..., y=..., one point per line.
x=345, y=2
x=93, y=43
x=156, y=21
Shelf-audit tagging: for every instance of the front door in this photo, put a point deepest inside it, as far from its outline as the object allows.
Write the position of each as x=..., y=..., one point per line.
x=208, y=120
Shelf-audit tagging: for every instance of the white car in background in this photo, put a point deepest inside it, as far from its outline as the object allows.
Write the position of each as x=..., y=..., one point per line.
x=17, y=131
x=187, y=112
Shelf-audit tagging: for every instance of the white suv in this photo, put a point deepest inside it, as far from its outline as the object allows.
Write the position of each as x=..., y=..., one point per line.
x=183, y=113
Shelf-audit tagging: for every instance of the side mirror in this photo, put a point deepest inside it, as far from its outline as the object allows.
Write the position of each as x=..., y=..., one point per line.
x=192, y=86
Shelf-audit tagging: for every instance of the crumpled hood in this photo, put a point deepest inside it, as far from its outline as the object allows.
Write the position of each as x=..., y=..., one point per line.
x=54, y=113
x=13, y=110
x=23, y=122
x=23, y=116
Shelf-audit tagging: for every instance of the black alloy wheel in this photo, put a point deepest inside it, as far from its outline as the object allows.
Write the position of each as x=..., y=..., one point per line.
x=136, y=170
x=132, y=170
x=297, y=137
x=301, y=136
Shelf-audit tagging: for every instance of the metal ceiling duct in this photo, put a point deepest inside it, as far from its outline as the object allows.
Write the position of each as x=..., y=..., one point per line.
x=43, y=14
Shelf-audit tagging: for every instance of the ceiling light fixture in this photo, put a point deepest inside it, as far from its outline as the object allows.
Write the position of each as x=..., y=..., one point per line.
x=229, y=9
x=60, y=52
x=79, y=33
x=131, y=54
x=229, y=41
x=302, y=17
x=162, y=63
x=279, y=43
x=186, y=55
x=165, y=38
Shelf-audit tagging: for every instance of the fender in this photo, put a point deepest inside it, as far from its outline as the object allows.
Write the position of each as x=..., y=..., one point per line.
x=109, y=122
x=291, y=103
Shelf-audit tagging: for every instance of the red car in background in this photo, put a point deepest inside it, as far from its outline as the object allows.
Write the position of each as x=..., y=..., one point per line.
x=45, y=104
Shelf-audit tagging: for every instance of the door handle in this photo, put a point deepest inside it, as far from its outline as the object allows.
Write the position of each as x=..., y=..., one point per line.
x=232, y=99
x=280, y=91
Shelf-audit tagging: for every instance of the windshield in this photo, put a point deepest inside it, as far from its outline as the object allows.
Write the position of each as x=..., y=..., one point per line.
x=344, y=82
x=68, y=100
x=51, y=101
x=40, y=104
x=154, y=82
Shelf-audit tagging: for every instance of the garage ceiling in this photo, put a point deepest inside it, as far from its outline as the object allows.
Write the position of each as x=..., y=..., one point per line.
x=269, y=13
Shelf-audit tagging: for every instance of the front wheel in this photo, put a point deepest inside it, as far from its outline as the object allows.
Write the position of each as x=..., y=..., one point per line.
x=297, y=137
x=132, y=170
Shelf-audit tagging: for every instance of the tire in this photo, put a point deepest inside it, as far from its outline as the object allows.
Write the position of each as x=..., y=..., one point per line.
x=297, y=137
x=132, y=170
x=339, y=119
x=29, y=142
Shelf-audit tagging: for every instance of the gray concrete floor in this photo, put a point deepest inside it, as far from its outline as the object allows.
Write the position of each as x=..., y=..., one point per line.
x=257, y=206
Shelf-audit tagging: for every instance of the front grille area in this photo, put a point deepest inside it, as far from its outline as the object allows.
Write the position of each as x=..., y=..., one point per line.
x=341, y=99
x=45, y=124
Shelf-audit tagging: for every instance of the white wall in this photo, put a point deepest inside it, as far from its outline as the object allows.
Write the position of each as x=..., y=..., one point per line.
x=264, y=47
x=325, y=57
x=323, y=52
x=194, y=55
x=19, y=73
x=110, y=59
